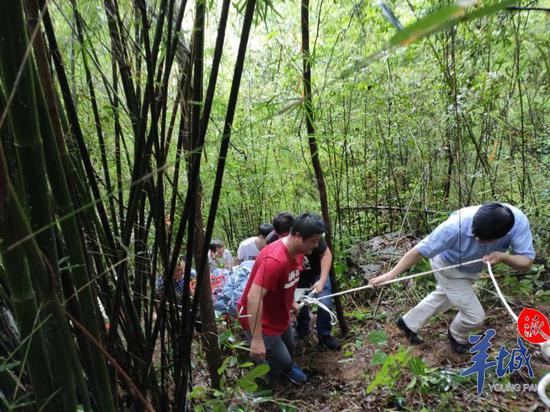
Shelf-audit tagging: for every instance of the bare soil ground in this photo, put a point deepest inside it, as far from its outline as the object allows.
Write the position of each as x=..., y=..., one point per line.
x=339, y=379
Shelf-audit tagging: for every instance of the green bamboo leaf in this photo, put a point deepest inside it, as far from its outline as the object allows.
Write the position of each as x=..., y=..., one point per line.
x=247, y=385
x=488, y=10
x=441, y=19
x=438, y=20
x=417, y=366
x=7, y=366
x=197, y=392
x=426, y=25
x=378, y=358
x=411, y=384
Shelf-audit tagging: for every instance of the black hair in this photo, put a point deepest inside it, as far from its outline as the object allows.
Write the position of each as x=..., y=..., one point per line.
x=283, y=222
x=307, y=225
x=492, y=221
x=215, y=244
x=265, y=229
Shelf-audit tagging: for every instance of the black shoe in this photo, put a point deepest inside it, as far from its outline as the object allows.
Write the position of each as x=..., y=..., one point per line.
x=329, y=341
x=414, y=339
x=456, y=346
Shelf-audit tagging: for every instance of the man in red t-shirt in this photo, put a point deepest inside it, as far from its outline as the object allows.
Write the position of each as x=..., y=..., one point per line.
x=264, y=307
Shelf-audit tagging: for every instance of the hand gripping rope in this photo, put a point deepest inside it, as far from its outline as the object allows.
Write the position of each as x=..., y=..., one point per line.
x=545, y=346
x=310, y=299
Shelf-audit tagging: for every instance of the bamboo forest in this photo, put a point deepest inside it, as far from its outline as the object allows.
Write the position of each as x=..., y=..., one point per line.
x=258, y=205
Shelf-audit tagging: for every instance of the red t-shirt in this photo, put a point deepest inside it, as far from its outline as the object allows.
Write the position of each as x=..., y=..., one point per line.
x=276, y=271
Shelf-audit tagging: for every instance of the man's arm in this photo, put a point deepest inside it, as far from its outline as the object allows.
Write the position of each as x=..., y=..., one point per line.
x=326, y=261
x=517, y=262
x=254, y=309
x=411, y=258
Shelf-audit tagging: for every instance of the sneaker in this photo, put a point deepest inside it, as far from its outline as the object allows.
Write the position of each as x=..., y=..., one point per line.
x=413, y=337
x=456, y=346
x=329, y=341
x=296, y=375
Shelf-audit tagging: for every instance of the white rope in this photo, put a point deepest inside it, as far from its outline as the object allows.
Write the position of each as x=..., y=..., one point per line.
x=541, y=389
x=414, y=275
x=500, y=295
x=310, y=299
x=544, y=346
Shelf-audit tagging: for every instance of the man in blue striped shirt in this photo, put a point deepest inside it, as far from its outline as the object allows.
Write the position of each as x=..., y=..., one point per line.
x=475, y=232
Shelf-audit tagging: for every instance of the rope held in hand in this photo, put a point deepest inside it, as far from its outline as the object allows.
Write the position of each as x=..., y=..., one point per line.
x=309, y=299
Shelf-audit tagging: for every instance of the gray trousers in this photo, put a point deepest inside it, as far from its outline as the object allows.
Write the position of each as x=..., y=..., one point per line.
x=454, y=289
x=279, y=350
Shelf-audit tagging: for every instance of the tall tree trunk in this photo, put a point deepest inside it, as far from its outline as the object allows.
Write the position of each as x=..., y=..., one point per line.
x=319, y=175
x=209, y=331
x=228, y=125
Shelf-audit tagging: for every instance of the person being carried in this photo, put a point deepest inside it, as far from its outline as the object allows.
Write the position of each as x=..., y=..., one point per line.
x=475, y=232
x=264, y=307
x=251, y=247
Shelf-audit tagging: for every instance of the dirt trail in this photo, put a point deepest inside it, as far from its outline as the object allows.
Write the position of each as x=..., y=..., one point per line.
x=339, y=379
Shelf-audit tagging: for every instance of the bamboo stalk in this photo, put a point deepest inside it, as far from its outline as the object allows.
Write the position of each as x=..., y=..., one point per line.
x=319, y=175
x=224, y=147
x=195, y=226
x=97, y=119
x=19, y=78
x=24, y=300
x=76, y=129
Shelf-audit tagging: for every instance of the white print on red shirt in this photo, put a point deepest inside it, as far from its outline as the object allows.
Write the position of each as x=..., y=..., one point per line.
x=293, y=278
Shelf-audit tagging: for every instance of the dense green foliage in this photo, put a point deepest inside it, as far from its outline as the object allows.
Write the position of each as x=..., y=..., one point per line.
x=477, y=95
x=453, y=110
x=471, y=100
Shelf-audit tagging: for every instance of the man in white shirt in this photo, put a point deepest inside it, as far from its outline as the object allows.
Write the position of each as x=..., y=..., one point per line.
x=250, y=248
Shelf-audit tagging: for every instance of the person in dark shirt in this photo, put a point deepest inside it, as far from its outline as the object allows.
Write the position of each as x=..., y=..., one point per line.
x=315, y=275
x=281, y=226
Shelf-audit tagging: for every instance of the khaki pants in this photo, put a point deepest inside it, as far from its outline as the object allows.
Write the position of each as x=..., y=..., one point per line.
x=454, y=289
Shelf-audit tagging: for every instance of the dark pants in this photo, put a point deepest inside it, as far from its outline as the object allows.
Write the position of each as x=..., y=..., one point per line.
x=279, y=351
x=323, y=317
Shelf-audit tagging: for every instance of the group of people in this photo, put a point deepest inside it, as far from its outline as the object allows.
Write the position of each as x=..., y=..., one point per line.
x=483, y=232
x=292, y=252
